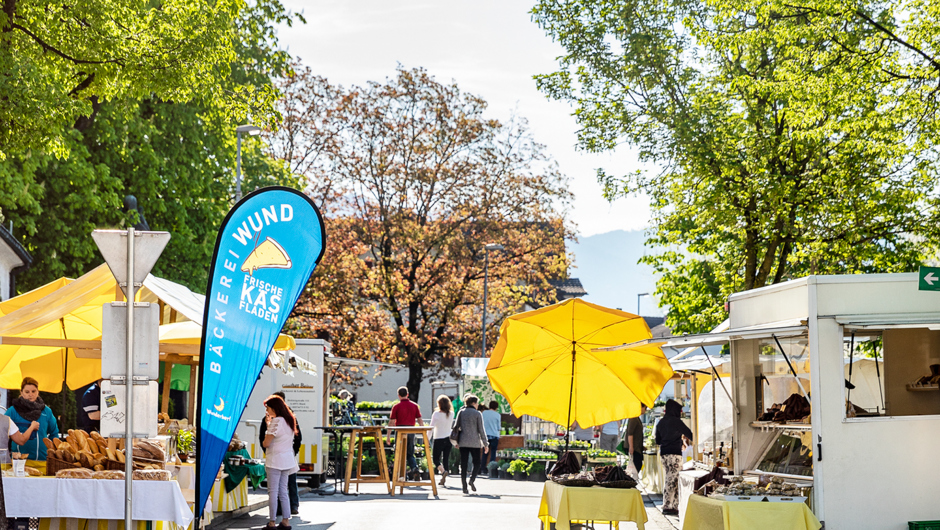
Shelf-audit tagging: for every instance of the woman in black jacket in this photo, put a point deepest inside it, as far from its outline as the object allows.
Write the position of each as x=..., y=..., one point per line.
x=669, y=434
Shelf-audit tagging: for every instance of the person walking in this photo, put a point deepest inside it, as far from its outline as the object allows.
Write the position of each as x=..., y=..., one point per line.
x=669, y=436
x=292, y=491
x=633, y=440
x=442, y=420
x=407, y=413
x=609, y=436
x=492, y=421
x=471, y=438
x=279, y=461
x=25, y=410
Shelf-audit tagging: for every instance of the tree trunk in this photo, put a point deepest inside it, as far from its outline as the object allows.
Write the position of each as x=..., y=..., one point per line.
x=415, y=375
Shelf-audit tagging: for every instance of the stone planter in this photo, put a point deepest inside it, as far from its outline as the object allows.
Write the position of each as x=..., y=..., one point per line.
x=519, y=476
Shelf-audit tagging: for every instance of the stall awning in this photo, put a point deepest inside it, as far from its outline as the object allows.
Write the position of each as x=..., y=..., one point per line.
x=890, y=321
x=781, y=330
x=698, y=363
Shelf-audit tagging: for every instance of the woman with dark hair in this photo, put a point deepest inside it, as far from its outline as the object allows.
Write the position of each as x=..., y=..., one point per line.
x=29, y=409
x=471, y=439
x=670, y=432
x=279, y=458
x=441, y=420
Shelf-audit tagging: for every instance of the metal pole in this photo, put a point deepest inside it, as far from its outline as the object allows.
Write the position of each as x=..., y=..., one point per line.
x=238, y=168
x=714, y=424
x=486, y=272
x=570, y=396
x=129, y=388
x=638, y=304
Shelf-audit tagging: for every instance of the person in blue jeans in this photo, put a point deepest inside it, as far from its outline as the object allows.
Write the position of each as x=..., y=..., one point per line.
x=492, y=421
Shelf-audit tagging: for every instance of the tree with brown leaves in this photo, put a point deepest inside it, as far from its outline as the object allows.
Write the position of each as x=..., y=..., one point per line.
x=414, y=181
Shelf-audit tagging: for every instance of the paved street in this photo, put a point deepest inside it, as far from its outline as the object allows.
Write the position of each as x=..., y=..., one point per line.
x=497, y=504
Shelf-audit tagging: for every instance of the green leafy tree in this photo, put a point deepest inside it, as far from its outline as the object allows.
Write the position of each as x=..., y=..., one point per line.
x=61, y=61
x=781, y=151
x=177, y=158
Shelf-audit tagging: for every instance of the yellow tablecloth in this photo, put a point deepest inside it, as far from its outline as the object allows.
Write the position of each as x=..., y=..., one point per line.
x=704, y=513
x=652, y=476
x=561, y=505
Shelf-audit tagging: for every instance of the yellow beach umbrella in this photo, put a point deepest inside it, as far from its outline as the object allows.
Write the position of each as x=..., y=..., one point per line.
x=546, y=364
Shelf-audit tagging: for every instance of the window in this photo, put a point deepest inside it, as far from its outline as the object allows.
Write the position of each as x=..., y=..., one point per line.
x=894, y=372
x=790, y=453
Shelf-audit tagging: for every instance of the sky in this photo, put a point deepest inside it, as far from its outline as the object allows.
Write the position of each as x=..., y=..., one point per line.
x=491, y=49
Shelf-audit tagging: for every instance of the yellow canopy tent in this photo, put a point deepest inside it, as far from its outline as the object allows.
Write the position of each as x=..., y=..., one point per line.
x=53, y=333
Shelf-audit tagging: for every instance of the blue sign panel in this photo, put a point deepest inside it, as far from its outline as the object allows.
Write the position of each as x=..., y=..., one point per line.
x=266, y=251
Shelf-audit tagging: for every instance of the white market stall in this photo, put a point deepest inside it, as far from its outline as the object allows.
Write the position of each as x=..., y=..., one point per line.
x=881, y=449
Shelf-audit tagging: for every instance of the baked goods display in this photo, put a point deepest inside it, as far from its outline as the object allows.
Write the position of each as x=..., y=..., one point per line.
x=96, y=453
x=775, y=486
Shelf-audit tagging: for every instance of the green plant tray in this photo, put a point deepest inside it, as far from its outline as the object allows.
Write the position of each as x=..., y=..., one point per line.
x=923, y=525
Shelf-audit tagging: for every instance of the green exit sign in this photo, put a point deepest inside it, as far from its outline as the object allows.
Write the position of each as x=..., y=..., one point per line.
x=929, y=279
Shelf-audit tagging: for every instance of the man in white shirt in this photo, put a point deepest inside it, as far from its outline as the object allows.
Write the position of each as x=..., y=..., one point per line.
x=610, y=435
x=492, y=422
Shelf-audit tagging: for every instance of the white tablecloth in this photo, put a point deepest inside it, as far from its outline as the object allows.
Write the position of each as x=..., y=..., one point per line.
x=94, y=499
x=686, y=488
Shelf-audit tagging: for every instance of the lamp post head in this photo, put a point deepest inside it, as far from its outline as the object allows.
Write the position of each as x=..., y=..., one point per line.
x=493, y=246
x=252, y=130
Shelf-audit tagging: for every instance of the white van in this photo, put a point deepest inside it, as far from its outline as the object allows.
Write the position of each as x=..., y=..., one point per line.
x=305, y=396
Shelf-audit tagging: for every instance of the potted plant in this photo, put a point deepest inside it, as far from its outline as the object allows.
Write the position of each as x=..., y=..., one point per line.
x=517, y=469
x=504, y=471
x=493, y=469
x=185, y=442
x=423, y=467
x=536, y=471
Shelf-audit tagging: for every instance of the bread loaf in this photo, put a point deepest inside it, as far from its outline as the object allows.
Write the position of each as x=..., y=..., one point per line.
x=151, y=474
x=156, y=453
x=49, y=445
x=120, y=457
x=33, y=472
x=109, y=475
x=56, y=442
x=74, y=473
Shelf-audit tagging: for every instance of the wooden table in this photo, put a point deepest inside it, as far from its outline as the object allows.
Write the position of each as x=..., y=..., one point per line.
x=399, y=472
x=356, y=436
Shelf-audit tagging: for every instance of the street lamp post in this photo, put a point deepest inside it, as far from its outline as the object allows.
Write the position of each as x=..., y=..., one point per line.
x=638, y=296
x=251, y=130
x=486, y=265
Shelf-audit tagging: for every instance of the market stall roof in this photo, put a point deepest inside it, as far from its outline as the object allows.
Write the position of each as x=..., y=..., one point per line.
x=53, y=333
x=780, y=330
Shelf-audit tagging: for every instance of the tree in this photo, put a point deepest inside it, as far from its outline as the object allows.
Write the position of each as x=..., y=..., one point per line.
x=177, y=158
x=781, y=151
x=423, y=180
x=61, y=61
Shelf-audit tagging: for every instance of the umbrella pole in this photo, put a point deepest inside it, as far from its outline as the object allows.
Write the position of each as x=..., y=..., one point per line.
x=570, y=395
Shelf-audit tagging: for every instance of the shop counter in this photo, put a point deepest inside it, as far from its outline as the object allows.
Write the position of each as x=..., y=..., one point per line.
x=89, y=499
x=563, y=505
x=704, y=513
